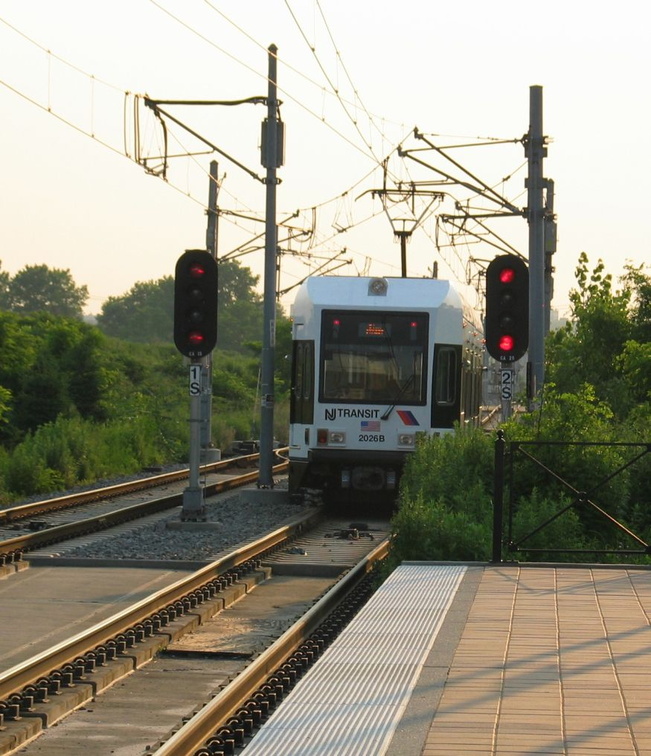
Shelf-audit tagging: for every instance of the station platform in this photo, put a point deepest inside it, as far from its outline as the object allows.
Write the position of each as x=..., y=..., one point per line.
x=450, y=659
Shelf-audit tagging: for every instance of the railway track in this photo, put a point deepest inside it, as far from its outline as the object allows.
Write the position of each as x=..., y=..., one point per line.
x=54, y=520
x=40, y=691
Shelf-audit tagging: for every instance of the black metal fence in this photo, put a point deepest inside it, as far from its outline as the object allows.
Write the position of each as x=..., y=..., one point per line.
x=508, y=456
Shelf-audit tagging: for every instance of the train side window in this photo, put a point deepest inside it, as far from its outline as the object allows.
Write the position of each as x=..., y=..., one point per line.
x=302, y=395
x=446, y=388
x=446, y=371
x=299, y=368
x=308, y=370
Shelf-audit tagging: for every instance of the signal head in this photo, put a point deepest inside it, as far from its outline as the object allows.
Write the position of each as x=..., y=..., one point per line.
x=507, y=308
x=195, y=303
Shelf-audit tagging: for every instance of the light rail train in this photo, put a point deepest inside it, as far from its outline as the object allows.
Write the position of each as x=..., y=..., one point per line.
x=377, y=362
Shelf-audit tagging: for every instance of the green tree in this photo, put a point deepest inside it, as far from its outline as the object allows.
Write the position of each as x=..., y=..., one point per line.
x=17, y=349
x=639, y=283
x=49, y=366
x=634, y=364
x=5, y=279
x=37, y=288
x=42, y=396
x=18, y=352
x=144, y=314
x=586, y=350
x=240, y=308
x=81, y=360
x=5, y=400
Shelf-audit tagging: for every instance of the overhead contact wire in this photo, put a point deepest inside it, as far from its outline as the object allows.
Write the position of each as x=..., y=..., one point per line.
x=330, y=82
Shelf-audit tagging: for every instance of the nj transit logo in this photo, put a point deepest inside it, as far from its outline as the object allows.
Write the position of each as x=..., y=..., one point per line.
x=407, y=417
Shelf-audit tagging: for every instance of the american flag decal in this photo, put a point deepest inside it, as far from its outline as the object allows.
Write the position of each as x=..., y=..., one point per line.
x=370, y=425
x=407, y=417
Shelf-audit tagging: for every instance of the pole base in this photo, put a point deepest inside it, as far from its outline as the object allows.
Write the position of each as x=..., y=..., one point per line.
x=194, y=507
x=210, y=455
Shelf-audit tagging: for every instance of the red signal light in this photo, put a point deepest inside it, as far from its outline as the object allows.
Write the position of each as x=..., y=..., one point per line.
x=507, y=275
x=506, y=343
x=196, y=338
x=197, y=270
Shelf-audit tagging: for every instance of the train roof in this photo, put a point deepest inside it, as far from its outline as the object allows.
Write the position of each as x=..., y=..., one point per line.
x=363, y=291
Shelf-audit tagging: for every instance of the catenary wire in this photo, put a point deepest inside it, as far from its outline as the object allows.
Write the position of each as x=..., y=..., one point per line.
x=333, y=87
x=106, y=144
x=264, y=76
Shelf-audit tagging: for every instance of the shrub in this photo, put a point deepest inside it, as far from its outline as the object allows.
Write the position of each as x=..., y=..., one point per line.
x=425, y=530
x=576, y=418
x=445, y=510
x=442, y=467
x=564, y=531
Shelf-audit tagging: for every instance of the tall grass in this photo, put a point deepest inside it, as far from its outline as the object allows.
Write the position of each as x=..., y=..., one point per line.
x=72, y=451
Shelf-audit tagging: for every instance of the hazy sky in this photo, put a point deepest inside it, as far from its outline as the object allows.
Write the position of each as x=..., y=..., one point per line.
x=354, y=79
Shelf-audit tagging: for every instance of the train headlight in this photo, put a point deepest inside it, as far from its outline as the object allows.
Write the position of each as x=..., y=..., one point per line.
x=337, y=437
x=406, y=439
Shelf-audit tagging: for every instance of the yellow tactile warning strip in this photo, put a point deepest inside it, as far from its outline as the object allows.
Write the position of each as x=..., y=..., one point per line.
x=552, y=660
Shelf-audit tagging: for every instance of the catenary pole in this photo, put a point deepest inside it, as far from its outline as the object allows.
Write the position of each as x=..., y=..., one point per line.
x=270, y=161
x=208, y=452
x=550, y=249
x=536, y=151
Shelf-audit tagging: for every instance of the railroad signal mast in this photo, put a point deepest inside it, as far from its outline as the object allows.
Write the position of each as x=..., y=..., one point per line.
x=195, y=336
x=507, y=317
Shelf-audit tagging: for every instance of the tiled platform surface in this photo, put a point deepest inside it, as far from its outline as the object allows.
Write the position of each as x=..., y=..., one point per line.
x=549, y=660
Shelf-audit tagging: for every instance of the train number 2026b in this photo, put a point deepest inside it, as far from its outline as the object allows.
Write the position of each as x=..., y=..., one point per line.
x=371, y=437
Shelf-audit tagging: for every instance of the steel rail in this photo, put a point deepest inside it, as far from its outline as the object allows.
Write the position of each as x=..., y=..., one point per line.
x=208, y=720
x=63, y=532
x=22, y=511
x=13, y=680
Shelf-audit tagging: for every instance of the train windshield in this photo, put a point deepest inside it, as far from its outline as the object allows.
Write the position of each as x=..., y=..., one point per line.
x=370, y=357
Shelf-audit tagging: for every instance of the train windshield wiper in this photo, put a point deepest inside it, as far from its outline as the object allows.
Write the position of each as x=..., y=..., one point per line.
x=398, y=397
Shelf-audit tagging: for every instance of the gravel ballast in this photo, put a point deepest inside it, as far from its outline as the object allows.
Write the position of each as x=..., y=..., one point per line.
x=231, y=519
